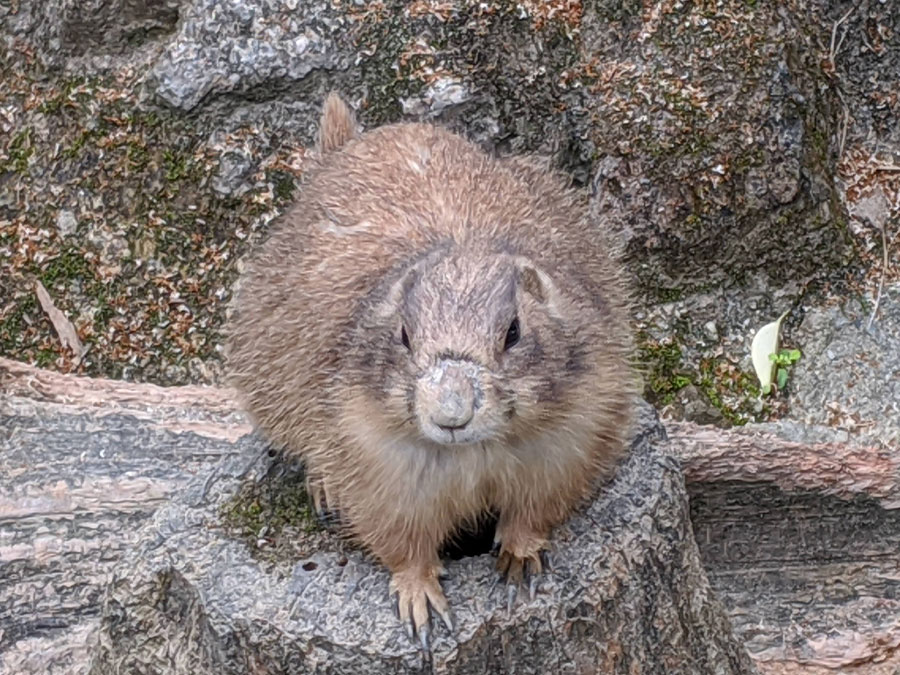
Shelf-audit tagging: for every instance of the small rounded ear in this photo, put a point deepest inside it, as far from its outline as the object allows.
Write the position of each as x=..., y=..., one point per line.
x=396, y=291
x=539, y=285
x=532, y=283
x=337, y=124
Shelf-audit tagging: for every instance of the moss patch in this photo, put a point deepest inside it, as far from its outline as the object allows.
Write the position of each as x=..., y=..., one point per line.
x=275, y=519
x=144, y=264
x=721, y=383
x=665, y=372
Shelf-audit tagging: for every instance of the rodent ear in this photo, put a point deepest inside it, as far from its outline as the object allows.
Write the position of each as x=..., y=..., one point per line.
x=531, y=282
x=539, y=285
x=393, y=298
x=337, y=125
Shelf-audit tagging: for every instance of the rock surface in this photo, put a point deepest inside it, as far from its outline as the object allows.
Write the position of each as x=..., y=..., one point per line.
x=627, y=591
x=712, y=137
x=849, y=378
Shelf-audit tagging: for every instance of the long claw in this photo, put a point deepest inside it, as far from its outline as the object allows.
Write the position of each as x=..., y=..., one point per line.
x=425, y=638
x=545, y=560
x=416, y=593
x=511, y=593
x=447, y=617
x=519, y=569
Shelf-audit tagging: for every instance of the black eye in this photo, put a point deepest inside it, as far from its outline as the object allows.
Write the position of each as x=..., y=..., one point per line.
x=512, y=334
x=404, y=338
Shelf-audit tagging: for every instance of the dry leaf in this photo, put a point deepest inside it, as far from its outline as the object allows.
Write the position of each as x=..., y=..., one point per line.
x=63, y=326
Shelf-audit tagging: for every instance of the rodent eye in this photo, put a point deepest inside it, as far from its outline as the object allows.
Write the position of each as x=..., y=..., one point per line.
x=512, y=334
x=404, y=338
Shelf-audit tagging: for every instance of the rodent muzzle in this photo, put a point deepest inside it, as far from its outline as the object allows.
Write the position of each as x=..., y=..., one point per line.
x=449, y=395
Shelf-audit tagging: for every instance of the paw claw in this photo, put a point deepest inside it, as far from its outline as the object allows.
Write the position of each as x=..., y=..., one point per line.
x=318, y=494
x=545, y=560
x=425, y=638
x=511, y=592
x=416, y=592
x=521, y=567
x=447, y=618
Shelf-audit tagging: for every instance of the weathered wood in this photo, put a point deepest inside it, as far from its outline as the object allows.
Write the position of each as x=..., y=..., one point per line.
x=627, y=592
x=844, y=470
x=798, y=538
x=83, y=464
x=802, y=543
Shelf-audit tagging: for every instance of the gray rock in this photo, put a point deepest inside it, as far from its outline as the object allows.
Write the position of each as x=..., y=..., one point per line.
x=731, y=171
x=66, y=30
x=234, y=166
x=849, y=375
x=190, y=599
x=66, y=223
x=241, y=47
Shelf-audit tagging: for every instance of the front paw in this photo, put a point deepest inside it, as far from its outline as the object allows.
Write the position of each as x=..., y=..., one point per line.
x=415, y=590
x=521, y=561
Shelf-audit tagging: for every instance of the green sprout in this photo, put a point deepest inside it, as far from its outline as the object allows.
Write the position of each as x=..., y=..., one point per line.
x=783, y=360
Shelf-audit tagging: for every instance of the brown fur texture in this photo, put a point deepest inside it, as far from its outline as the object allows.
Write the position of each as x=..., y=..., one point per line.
x=372, y=337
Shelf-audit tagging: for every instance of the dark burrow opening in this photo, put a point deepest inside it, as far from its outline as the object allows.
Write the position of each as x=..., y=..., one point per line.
x=473, y=539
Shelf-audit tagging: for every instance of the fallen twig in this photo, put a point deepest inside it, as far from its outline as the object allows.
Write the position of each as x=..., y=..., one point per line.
x=64, y=328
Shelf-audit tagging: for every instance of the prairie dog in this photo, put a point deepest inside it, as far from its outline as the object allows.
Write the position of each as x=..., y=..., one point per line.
x=437, y=333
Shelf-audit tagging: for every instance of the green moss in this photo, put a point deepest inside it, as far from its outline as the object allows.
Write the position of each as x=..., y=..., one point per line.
x=138, y=157
x=45, y=358
x=283, y=185
x=271, y=504
x=19, y=151
x=55, y=104
x=385, y=35
x=719, y=380
x=13, y=324
x=69, y=264
x=177, y=166
x=668, y=294
x=74, y=150
x=726, y=388
x=665, y=374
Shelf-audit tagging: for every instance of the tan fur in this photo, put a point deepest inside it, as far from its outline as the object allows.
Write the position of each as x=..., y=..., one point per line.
x=410, y=228
x=337, y=126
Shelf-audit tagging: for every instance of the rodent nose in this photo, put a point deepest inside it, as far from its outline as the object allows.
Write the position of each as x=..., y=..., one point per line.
x=453, y=395
x=455, y=408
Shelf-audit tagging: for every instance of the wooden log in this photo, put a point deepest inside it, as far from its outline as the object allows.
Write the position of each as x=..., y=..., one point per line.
x=84, y=463
x=749, y=454
x=799, y=538
x=627, y=588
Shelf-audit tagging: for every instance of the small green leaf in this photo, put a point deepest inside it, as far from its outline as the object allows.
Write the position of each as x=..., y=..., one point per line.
x=794, y=355
x=773, y=357
x=781, y=378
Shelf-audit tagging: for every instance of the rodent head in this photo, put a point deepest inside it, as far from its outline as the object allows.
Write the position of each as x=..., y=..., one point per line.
x=472, y=347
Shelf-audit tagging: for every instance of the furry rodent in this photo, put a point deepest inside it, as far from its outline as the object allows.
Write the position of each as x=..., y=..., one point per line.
x=437, y=333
